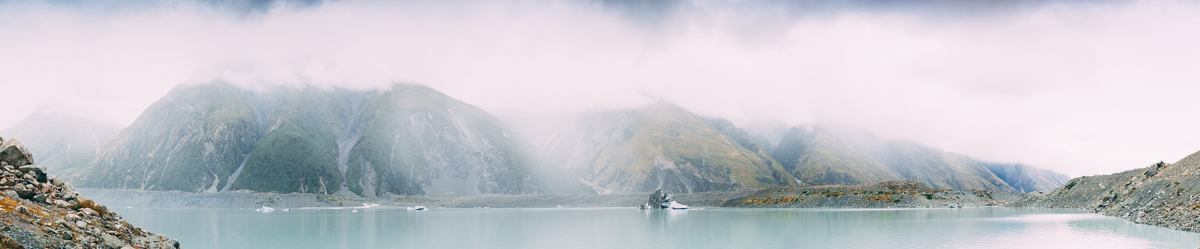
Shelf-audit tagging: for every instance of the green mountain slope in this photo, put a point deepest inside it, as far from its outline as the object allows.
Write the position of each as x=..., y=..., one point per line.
x=404, y=140
x=662, y=147
x=62, y=143
x=189, y=140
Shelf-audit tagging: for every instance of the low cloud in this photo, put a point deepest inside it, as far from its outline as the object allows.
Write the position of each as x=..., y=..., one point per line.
x=1082, y=87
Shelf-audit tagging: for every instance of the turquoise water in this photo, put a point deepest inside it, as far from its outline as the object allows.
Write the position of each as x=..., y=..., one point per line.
x=633, y=228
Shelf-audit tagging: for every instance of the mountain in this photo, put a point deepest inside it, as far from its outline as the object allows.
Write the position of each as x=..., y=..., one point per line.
x=61, y=142
x=408, y=139
x=663, y=147
x=825, y=155
x=1025, y=178
x=938, y=168
x=821, y=157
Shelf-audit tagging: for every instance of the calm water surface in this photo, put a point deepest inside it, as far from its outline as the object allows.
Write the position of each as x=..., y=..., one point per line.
x=633, y=228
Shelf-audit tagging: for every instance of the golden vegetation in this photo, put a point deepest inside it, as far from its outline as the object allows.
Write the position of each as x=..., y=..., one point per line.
x=768, y=200
x=880, y=198
x=92, y=205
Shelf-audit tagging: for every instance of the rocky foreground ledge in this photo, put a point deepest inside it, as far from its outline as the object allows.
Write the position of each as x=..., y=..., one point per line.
x=39, y=211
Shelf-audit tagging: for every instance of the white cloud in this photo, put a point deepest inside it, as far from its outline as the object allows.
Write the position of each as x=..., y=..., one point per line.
x=1081, y=88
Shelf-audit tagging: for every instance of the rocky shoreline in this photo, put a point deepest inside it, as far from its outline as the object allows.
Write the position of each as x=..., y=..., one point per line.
x=886, y=194
x=40, y=211
x=1166, y=195
x=252, y=200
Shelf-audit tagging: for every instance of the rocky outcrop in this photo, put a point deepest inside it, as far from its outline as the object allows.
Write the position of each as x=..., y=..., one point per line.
x=1162, y=194
x=13, y=153
x=40, y=211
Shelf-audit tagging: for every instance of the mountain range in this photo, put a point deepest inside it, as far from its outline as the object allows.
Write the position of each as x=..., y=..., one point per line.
x=407, y=140
x=413, y=140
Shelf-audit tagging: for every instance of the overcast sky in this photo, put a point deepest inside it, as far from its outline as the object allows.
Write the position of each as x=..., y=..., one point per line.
x=1078, y=87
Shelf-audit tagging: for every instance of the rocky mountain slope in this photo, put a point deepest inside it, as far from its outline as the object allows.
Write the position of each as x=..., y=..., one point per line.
x=663, y=147
x=61, y=142
x=44, y=212
x=827, y=156
x=408, y=140
x=1161, y=194
x=1025, y=178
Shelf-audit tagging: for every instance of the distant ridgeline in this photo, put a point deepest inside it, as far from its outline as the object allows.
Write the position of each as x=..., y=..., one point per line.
x=61, y=143
x=413, y=140
x=665, y=147
x=826, y=156
x=407, y=140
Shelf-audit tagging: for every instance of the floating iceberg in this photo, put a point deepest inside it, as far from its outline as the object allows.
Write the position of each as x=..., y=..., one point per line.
x=265, y=209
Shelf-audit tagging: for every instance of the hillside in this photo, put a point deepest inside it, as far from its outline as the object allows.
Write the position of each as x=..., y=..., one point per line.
x=1161, y=194
x=407, y=140
x=828, y=156
x=820, y=157
x=663, y=147
x=60, y=142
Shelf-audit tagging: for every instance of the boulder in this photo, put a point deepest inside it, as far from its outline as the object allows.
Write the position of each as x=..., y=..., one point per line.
x=110, y=241
x=14, y=153
x=38, y=173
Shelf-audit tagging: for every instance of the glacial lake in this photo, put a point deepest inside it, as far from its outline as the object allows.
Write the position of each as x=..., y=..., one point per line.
x=632, y=228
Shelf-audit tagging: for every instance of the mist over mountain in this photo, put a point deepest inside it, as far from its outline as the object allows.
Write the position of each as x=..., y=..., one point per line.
x=60, y=141
x=662, y=146
x=1025, y=178
x=413, y=140
x=825, y=155
x=408, y=139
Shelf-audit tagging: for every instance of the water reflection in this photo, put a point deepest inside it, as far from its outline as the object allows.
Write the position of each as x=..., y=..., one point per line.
x=633, y=228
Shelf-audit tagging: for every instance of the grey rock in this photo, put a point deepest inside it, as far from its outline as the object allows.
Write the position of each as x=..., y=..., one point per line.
x=110, y=241
x=14, y=153
x=11, y=194
x=38, y=173
x=156, y=242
